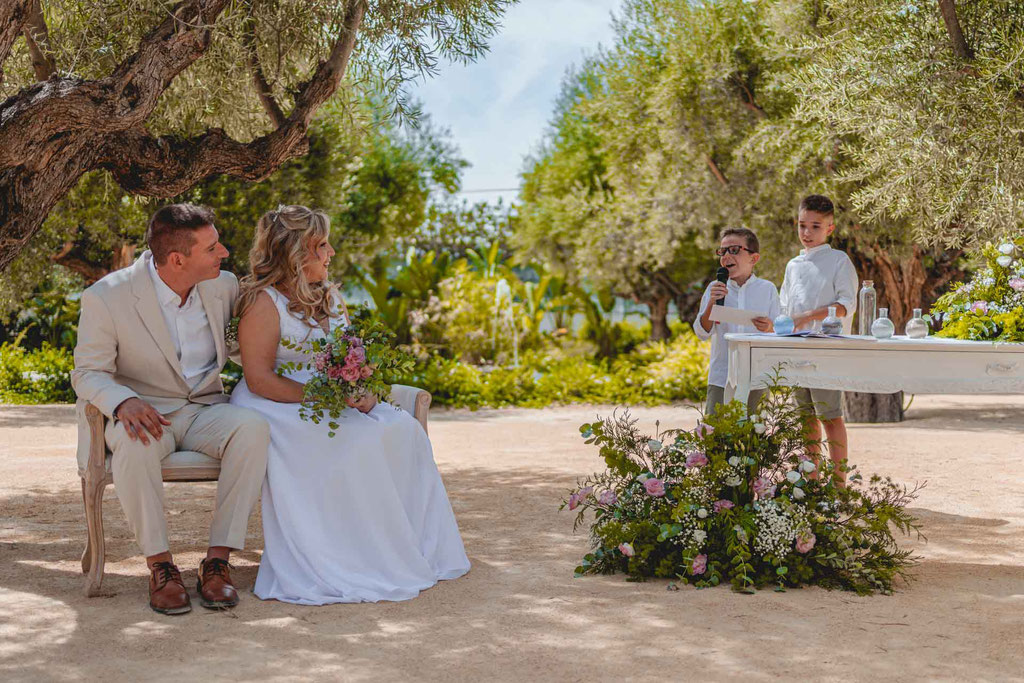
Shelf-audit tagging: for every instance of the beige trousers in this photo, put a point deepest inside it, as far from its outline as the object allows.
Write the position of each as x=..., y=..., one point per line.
x=238, y=437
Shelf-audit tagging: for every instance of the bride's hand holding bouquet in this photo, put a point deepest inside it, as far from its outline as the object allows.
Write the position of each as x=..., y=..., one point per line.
x=350, y=367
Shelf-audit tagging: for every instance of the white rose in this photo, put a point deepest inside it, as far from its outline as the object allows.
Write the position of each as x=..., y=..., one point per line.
x=732, y=481
x=1006, y=248
x=734, y=460
x=759, y=428
x=700, y=535
x=807, y=466
x=1005, y=261
x=798, y=493
x=702, y=513
x=793, y=476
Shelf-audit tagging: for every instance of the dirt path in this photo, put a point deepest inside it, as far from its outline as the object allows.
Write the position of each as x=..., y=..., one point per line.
x=519, y=615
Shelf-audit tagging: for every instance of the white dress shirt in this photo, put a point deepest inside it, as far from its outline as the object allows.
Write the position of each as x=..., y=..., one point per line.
x=754, y=295
x=198, y=353
x=820, y=276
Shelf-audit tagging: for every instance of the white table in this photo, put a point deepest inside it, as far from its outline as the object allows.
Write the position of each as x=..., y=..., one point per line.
x=917, y=366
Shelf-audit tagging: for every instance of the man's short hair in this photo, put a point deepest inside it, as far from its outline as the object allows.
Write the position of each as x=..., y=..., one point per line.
x=753, y=245
x=173, y=227
x=818, y=203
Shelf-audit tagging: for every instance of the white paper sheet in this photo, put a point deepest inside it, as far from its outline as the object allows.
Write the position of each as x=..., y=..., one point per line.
x=736, y=316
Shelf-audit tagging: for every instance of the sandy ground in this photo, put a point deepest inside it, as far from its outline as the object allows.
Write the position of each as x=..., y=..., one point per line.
x=520, y=615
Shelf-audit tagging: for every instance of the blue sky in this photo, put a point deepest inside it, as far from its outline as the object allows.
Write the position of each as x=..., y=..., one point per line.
x=498, y=107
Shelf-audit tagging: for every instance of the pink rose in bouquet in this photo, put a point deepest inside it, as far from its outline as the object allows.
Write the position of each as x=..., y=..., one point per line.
x=696, y=459
x=805, y=541
x=350, y=373
x=607, y=498
x=979, y=307
x=655, y=487
x=764, y=488
x=723, y=505
x=574, y=501
x=1016, y=283
x=626, y=549
x=703, y=430
x=356, y=355
x=334, y=372
x=365, y=371
x=699, y=565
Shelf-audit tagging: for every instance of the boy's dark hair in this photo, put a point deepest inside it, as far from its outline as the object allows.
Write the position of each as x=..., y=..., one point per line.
x=817, y=203
x=172, y=228
x=753, y=245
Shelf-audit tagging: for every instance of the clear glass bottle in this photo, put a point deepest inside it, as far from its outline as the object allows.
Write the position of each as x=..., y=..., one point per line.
x=866, y=302
x=917, y=327
x=783, y=324
x=882, y=328
x=832, y=324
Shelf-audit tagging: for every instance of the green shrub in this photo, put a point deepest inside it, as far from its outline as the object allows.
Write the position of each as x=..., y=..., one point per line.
x=41, y=375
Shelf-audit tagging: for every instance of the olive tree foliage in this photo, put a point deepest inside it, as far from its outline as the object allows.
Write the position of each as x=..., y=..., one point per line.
x=166, y=95
x=927, y=97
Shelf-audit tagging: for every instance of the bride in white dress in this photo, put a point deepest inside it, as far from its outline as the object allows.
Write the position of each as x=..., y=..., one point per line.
x=359, y=517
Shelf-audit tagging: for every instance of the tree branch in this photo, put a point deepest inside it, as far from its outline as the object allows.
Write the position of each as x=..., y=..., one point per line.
x=166, y=166
x=13, y=14
x=37, y=36
x=259, y=80
x=715, y=170
x=956, y=35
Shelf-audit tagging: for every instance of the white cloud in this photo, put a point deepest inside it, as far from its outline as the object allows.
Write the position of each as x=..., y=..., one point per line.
x=497, y=108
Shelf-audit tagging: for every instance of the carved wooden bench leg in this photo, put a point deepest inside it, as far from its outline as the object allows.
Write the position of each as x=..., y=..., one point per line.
x=87, y=553
x=95, y=550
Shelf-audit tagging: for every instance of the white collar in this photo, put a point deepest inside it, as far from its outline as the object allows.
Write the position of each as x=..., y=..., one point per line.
x=738, y=286
x=816, y=250
x=164, y=294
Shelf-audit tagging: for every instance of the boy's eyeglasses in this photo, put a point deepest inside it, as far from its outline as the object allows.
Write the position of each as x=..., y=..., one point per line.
x=732, y=249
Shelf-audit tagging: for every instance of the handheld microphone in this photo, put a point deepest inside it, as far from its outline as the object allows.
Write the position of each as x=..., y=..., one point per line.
x=722, y=276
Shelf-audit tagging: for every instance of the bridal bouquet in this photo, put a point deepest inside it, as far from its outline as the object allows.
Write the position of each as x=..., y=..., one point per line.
x=737, y=500
x=353, y=361
x=991, y=305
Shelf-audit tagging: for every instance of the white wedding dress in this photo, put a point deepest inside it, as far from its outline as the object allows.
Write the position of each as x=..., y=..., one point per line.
x=359, y=517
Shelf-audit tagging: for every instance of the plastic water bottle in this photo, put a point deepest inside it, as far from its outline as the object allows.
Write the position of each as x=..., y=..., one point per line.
x=866, y=311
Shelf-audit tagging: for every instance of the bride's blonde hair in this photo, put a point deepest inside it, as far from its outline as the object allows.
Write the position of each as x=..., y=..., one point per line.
x=282, y=245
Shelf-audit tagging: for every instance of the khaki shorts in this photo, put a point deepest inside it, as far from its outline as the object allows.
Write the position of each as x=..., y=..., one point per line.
x=716, y=397
x=827, y=403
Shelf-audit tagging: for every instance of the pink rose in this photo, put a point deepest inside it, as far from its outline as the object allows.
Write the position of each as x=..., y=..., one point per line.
x=805, y=541
x=356, y=355
x=355, y=342
x=703, y=430
x=607, y=498
x=574, y=501
x=979, y=307
x=723, y=505
x=586, y=492
x=1017, y=284
x=349, y=373
x=764, y=488
x=655, y=487
x=626, y=549
x=334, y=372
x=700, y=564
x=365, y=371
x=320, y=361
x=696, y=459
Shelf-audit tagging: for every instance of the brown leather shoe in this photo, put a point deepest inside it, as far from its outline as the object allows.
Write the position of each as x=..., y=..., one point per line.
x=167, y=594
x=214, y=585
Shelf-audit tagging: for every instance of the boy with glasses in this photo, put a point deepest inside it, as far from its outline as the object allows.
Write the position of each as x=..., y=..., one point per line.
x=739, y=253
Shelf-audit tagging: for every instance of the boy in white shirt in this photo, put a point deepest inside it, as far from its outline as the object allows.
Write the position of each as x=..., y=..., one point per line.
x=817, y=278
x=739, y=253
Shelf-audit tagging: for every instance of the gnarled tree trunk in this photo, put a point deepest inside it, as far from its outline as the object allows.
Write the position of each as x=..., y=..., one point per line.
x=59, y=129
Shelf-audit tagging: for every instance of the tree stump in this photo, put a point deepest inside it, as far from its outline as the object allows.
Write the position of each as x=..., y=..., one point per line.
x=873, y=408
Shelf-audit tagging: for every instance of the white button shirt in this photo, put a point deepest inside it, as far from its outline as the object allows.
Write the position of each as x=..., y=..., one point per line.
x=755, y=295
x=820, y=276
x=198, y=355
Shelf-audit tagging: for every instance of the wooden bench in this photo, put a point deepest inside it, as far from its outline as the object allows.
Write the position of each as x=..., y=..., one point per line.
x=178, y=466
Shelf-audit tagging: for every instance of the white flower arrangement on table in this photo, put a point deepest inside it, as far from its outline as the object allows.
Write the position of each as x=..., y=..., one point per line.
x=737, y=500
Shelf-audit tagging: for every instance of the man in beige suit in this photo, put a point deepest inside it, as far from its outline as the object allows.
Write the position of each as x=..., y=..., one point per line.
x=149, y=355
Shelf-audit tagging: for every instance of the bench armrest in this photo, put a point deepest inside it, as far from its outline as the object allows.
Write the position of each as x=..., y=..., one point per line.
x=412, y=400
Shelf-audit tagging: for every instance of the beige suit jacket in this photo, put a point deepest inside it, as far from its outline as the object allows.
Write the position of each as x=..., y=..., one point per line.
x=125, y=350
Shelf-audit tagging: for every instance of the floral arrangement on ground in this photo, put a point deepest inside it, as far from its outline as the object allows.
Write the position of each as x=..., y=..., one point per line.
x=990, y=306
x=739, y=500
